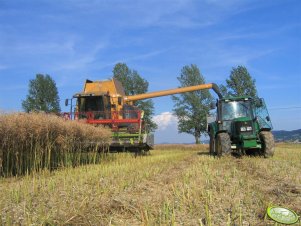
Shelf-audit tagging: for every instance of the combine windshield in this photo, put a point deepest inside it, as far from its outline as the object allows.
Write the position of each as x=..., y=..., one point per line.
x=94, y=103
x=236, y=109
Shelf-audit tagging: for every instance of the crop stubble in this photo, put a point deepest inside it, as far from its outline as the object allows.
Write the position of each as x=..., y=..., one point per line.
x=175, y=186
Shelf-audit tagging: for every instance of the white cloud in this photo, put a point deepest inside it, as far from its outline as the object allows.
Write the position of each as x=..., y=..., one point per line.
x=133, y=58
x=34, y=46
x=168, y=132
x=165, y=119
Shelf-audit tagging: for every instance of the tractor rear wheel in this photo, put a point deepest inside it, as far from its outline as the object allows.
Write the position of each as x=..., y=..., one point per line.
x=267, y=144
x=223, y=144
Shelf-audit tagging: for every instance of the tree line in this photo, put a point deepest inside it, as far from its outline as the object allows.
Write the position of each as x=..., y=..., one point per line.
x=190, y=108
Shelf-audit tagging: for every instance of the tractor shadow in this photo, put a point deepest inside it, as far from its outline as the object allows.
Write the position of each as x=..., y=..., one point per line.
x=203, y=153
x=250, y=154
x=236, y=155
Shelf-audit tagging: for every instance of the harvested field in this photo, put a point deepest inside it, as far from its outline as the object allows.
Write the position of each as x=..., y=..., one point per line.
x=35, y=141
x=179, y=186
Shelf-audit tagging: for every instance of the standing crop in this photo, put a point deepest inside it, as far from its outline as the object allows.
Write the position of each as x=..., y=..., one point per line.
x=35, y=141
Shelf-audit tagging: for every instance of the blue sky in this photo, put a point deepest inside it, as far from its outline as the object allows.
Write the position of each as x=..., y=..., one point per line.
x=73, y=40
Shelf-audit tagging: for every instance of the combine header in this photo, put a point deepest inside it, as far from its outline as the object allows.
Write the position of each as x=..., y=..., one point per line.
x=105, y=103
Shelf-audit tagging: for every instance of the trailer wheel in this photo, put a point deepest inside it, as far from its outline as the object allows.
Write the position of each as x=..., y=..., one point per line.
x=223, y=144
x=267, y=144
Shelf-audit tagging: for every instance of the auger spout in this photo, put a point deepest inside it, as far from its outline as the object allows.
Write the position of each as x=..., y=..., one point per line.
x=173, y=91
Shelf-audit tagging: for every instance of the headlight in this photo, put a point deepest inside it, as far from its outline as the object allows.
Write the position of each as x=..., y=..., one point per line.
x=249, y=128
x=243, y=129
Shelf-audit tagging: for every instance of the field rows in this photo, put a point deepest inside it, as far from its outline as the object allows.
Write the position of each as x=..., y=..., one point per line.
x=169, y=187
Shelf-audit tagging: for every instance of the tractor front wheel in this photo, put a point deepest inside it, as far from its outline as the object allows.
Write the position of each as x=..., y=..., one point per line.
x=223, y=144
x=267, y=144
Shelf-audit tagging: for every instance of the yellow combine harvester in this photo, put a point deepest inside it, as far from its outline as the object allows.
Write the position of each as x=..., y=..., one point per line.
x=105, y=103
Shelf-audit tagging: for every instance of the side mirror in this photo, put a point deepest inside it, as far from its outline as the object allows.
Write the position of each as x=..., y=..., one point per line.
x=259, y=103
x=66, y=102
x=212, y=105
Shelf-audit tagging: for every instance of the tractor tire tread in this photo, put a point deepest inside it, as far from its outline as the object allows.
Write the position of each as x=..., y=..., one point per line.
x=268, y=144
x=225, y=144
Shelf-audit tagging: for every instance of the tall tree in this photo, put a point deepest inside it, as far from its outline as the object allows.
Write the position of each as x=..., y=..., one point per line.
x=42, y=95
x=192, y=108
x=122, y=73
x=223, y=90
x=240, y=83
x=134, y=84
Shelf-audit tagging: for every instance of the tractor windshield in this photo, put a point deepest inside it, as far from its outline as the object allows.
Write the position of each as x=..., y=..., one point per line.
x=236, y=109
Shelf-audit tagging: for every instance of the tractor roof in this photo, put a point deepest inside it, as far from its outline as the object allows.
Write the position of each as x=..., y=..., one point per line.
x=232, y=98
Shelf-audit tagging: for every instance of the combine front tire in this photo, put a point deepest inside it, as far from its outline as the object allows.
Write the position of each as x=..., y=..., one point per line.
x=267, y=144
x=223, y=144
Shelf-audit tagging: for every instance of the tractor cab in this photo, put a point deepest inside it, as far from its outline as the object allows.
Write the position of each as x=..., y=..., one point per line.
x=237, y=108
x=242, y=111
x=232, y=112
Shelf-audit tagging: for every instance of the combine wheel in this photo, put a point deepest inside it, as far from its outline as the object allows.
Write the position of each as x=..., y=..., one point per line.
x=141, y=152
x=267, y=144
x=223, y=144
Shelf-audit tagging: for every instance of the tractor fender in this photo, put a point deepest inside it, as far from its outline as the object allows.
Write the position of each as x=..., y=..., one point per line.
x=221, y=131
x=213, y=129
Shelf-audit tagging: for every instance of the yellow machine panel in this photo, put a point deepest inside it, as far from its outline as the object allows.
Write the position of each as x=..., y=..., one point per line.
x=106, y=87
x=111, y=91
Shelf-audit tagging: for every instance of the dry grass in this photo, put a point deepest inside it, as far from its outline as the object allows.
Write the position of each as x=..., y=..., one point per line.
x=32, y=142
x=166, y=188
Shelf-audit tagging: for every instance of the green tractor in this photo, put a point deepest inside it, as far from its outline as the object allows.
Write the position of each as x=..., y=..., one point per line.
x=242, y=126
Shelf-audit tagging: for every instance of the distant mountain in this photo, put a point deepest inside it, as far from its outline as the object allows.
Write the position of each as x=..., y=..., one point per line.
x=279, y=136
x=282, y=136
x=287, y=136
